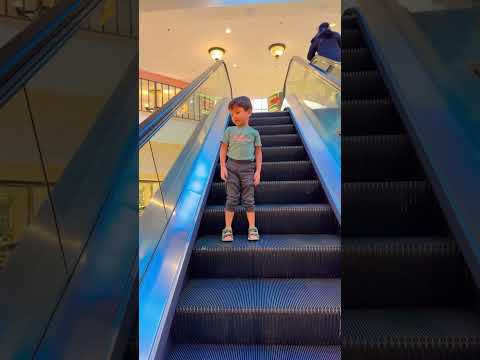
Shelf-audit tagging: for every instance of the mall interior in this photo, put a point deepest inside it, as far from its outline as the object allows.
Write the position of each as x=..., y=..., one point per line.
x=112, y=202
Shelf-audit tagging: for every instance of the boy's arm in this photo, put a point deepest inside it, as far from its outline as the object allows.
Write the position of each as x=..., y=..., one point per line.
x=223, y=155
x=258, y=158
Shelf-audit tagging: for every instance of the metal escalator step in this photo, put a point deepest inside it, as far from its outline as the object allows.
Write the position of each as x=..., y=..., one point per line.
x=379, y=158
x=276, y=192
x=274, y=219
x=253, y=352
x=415, y=333
x=281, y=140
x=250, y=311
x=274, y=120
x=257, y=115
x=402, y=271
x=352, y=38
x=370, y=117
x=363, y=85
x=284, y=153
x=400, y=208
x=276, y=129
x=279, y=256
x=357, y=59
x=283, y=171
x=349, y=22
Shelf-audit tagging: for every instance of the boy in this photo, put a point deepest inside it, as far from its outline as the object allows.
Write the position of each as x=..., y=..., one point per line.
x=241, y=171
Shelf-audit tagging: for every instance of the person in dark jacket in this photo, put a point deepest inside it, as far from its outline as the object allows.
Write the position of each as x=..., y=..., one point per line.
x=326, y=43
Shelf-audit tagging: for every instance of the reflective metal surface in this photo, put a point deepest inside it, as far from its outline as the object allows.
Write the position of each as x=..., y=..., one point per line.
x=440, y=117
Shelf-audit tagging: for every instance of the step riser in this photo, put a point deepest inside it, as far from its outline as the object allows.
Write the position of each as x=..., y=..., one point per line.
x=390, y=209
x=281, y=140
x=352, y=38
x=270, y=121
x=363, y=85
x=362, y=118
x=357, y=60
x=284, y=154
x=409, y=278
x=276, y=130
x=282, y=172
x=445, y=352
x=270, y=114
x=257, y=328
x=291, y=193
x=379, y=158
x=255, y=263
x=279, y=221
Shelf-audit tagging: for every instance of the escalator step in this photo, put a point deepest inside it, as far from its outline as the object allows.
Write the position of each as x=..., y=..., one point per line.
x=276, y=192
x=370, y=117
x=284, y=153
x=275, y=120
x=362, y=85
x=281, y=140
x=416, y=271
x=413, y=333
x=349, y=22
x=276, y=129
x=283, y=171
x=254, y=352
x=257, y=115
x=279, y=256
x=274, y=219
x=352, y=38
x=250, y=311
x=379, y=158
x=357, y=59
x=402, y=208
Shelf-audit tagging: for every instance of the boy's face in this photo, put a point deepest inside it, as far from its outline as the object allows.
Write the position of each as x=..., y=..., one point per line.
x=240, y=117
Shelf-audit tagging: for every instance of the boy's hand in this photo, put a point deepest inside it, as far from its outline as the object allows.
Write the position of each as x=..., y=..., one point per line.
x=256, y=178
x=224, y=173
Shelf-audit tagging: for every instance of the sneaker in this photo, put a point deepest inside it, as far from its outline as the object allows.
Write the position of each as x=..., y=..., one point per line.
x=227, y=235
x=253, y=234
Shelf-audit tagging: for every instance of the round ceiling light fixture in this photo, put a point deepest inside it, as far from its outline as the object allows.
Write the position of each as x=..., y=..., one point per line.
x=277, y=50
x=216, y=53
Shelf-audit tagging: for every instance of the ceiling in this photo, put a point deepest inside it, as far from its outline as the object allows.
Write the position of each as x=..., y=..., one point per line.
x=175, y=42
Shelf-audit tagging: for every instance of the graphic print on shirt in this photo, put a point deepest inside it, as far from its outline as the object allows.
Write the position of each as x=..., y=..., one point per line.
x=240, y=138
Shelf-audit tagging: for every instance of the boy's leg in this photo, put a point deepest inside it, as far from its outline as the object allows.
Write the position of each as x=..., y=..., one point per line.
x=229, y=218
x=248, y=198
x=233, y=196
x=251, y=218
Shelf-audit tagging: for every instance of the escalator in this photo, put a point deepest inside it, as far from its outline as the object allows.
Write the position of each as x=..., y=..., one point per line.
x=68, y=182
x=407, y=292
x=278, y=298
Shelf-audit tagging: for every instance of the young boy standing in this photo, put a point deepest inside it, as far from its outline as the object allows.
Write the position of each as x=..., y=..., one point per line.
x=243, y=147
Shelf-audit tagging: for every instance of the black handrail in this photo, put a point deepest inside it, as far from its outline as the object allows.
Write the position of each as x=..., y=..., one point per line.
x=155, y=121
x=26, y=53
x=313, y=69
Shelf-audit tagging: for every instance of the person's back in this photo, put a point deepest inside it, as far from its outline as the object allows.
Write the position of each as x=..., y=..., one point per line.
x=326, y=43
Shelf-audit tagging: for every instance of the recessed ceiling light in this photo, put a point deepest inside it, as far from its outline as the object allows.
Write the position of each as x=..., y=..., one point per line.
x=235, y=65
x=228, y=31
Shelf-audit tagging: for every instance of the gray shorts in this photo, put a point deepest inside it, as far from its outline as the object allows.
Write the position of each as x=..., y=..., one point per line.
x=240, y=183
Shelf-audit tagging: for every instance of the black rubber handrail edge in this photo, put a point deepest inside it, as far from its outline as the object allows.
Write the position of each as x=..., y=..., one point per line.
x=313, y=69
x=155, y=121
x=29, y=50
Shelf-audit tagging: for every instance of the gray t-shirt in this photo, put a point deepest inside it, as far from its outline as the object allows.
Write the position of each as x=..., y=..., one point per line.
x=241, y=142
